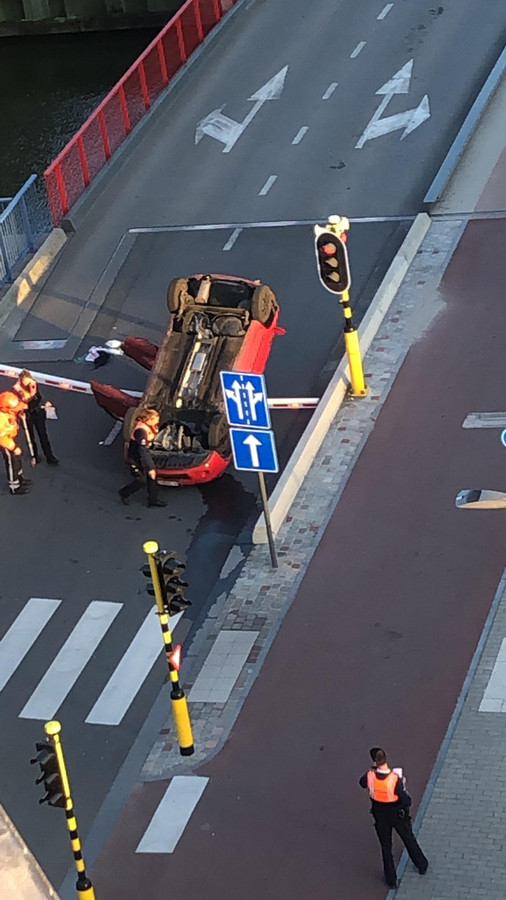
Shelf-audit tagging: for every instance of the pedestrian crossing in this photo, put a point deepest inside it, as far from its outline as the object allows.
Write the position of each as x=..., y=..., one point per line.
x=76, y=653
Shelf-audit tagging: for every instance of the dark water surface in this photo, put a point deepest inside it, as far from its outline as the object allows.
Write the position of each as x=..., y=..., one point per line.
x=48, y=87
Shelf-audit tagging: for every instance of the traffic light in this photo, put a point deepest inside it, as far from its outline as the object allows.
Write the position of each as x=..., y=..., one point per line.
x=332, y=260
x=50, y=774
x=169, y=570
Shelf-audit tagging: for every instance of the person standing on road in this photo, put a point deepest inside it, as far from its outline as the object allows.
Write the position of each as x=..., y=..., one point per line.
x=12, y=411
x=390, y=803
x=142, y=467
x=28, y=389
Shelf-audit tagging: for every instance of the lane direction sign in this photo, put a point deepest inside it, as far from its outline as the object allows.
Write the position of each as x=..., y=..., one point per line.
x=245, y=398
x=254, y=450
x=408, y=121
x=228, y=131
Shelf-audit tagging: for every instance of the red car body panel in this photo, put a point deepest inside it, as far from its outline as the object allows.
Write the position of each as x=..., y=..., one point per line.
x=252, y=357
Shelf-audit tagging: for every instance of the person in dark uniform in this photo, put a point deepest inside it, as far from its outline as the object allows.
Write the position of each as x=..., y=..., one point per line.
x=142, y=467
x=390, y=803
x=28, y=389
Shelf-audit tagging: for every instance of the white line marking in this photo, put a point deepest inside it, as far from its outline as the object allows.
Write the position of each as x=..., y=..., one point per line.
x=384, y=12
x=494, y=698
x=267, y=186
x=360, y=46
x=485, y=420
x=232, y=239
x=300, y=134
x=113, y=434
x=71, y=660
x=173, y=814
x=330, y=90
x=222, y=666
x=23, y=633
x=131, y=672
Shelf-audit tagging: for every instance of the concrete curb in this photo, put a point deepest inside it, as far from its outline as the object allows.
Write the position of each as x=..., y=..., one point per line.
x=292, y=478
x=467, y=129
x=20, y=297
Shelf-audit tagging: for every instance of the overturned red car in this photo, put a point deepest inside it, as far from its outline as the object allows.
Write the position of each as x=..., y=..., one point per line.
x=217, y=323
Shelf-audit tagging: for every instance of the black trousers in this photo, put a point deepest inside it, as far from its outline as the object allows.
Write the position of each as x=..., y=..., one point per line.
x=36, y=422
x=14, y=469
x=386, y=819
x=140, y=479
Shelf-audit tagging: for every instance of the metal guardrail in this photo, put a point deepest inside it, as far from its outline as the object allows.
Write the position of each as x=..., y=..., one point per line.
x=93, y=145
x=24, y=223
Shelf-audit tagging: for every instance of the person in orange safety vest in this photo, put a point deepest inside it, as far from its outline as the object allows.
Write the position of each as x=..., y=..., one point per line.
x=12, y=412
x=390, y=803
x=145, y=427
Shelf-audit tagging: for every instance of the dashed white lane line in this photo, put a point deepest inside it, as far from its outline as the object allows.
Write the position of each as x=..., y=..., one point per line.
x=113, y=434
x=232, y=239
x=330, y=90
x=300, y=134
x=267, y=186
x=23, y=633
x=360, y=46
x=494, y=697
x=173, y=814
x=384, y=12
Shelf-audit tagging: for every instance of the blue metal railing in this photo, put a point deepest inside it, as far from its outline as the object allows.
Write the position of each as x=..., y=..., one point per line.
x=24, y=223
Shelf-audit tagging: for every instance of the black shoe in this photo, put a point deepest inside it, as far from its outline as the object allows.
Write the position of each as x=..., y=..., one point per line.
x=52, y=461
x=158, y=503
x=20, y=490
x=423, y=869
x=123, y=499
x=26, y=481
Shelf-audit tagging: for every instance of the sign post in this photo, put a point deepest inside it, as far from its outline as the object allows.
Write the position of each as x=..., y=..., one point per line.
x=253, y=445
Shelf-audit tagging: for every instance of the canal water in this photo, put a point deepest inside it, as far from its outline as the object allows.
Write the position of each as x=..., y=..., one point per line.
x=48, y=86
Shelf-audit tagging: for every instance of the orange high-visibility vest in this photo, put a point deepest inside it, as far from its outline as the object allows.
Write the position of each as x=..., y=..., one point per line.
x=8, y=431
x=382, y=789
x=11, y=402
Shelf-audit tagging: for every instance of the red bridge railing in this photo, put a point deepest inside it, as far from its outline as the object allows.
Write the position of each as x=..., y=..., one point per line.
x=107, y=127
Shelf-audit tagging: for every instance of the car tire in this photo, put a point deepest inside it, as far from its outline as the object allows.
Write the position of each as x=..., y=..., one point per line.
x=218, y=437
x=263, y=304
x=177, y=296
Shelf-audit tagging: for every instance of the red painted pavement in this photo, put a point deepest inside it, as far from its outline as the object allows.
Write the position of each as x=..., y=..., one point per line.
x=376, y=645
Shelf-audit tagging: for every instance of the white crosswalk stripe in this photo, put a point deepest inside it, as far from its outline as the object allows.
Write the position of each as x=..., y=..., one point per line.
x=131, y=672
x=71, y=660
x=22, y=634
x=136, y=660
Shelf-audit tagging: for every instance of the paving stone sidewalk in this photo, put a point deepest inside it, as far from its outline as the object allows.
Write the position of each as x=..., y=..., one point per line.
x=261, y=596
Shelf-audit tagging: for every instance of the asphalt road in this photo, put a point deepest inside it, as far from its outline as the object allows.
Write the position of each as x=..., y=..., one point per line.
x=68, y=539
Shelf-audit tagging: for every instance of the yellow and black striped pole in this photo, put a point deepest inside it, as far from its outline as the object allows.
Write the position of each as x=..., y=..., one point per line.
x=339, y=225
x=84, y=886
x=352, y=348
x=177, y=696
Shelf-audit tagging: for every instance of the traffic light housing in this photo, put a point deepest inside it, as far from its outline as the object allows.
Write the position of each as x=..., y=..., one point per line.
x=172, y=585
x=332, y=260
x=50, y=774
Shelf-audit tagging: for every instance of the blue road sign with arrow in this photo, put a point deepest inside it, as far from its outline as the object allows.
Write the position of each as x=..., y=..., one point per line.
x=245, y=398
x=254, y=450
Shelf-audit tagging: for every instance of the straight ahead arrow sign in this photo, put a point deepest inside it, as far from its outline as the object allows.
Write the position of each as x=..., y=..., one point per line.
x=228, y=131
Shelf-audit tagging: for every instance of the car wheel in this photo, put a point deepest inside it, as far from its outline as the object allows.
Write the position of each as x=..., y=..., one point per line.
x=177, y=296
x=263, y=304
x=218, y=438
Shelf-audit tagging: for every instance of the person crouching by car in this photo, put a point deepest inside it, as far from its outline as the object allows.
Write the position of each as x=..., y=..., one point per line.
x=142, y=467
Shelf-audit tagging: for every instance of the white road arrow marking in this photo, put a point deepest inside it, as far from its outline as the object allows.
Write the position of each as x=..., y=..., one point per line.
x=235, y=395
x=227, y=130
x=409, y=120
x=253, y=443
